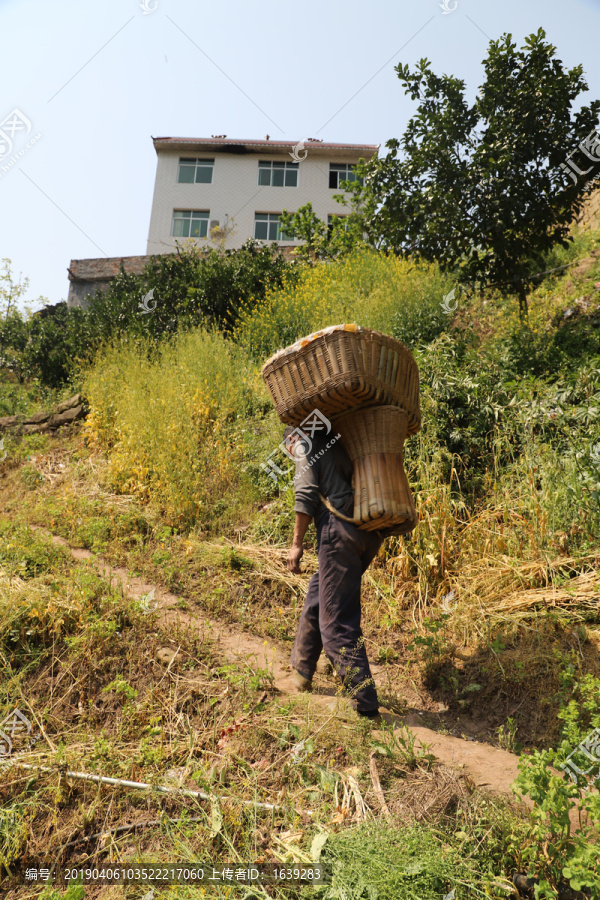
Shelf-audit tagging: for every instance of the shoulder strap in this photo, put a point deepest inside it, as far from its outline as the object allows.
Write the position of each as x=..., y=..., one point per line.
x=336, y=512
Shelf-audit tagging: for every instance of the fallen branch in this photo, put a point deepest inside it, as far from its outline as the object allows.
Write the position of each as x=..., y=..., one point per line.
x=377, y=785
x=160, y=788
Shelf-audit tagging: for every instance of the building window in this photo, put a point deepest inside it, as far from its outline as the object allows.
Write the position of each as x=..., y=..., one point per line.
x=278, y=174
x=341, y=172
x=190, y=223
x=266, y=228
x=195, y=171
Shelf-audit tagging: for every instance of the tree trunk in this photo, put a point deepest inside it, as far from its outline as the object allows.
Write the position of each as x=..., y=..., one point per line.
x=523, y=308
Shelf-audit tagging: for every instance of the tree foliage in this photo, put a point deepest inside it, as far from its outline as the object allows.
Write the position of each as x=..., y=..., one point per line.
x=191, y=287
x=482, y=189
x=14, y=332
x=346, y=232
x=479, y=187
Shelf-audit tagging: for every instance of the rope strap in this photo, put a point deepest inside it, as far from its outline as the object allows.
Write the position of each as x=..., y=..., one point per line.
x=337, y=513
x=401, y=528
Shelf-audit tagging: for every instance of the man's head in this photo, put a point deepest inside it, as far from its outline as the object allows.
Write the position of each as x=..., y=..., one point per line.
x=295, y=445
x=290, y=437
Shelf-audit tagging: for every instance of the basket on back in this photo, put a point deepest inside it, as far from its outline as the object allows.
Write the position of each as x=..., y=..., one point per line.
x=374, y=440
x=340, y=368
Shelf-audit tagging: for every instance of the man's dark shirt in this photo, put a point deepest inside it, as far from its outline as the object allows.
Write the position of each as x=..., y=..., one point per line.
x=326, y=470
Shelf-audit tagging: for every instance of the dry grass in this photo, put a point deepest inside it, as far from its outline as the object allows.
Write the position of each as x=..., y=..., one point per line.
x=268, y=562
x=427, y=794
x=582, y=593
x=89, y=476
x=499, y=584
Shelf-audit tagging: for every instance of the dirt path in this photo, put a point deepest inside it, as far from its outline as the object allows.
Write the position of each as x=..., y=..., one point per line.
x=487, y=766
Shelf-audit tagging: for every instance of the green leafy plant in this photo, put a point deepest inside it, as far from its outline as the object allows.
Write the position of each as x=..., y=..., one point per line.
x=401, y=744
x=233, y=559
x=120, y=686
x=551, y=852
x=433, y=643
x=507, y=735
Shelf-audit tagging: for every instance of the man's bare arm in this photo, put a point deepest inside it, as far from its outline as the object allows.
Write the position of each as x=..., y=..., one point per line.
x=301, y=523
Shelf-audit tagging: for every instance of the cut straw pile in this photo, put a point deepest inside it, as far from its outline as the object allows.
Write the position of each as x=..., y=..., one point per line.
x=502, y=586
x=580, y=593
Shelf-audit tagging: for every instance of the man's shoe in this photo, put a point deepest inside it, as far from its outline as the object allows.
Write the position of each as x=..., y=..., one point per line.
x=301, y=683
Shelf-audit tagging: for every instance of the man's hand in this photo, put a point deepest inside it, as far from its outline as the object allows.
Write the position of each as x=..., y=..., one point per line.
x=301, y=523
x=293, y=559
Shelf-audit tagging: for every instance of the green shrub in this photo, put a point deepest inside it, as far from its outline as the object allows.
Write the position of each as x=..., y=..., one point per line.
x=550, y=852
x=190, y=288
x=391, y=295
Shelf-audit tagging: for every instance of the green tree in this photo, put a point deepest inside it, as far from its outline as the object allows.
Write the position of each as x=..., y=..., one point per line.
x=14, y=322
x=483, y=188
x=57, y=342
x=190, y=287
x=346, y=231
x=14, y=334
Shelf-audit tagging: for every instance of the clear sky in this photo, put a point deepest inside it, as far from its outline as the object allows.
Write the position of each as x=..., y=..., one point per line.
x=97, y=79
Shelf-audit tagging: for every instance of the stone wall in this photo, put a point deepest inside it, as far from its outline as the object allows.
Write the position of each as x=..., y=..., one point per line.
x=590, y=214
x=86, y=276
x=65, y=413
x=79, y=291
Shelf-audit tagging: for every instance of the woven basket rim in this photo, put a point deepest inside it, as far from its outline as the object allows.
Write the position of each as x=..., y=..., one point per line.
x=357, y=330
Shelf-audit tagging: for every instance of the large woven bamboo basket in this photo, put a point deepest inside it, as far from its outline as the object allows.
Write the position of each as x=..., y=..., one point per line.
x=340, y=368
x=374, y=439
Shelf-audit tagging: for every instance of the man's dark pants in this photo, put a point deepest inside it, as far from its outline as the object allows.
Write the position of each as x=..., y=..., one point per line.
x=330, y=619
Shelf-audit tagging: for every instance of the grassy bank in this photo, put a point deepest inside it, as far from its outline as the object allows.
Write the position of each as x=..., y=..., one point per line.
x=504, y=474
x=486, y=618
x=111, y=689
x=391, y=295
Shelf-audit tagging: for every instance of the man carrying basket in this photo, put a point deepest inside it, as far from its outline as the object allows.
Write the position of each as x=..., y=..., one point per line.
x=356, y=490
x=331, y=616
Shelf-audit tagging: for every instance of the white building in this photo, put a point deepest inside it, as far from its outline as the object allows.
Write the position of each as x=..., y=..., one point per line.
x=241, y=187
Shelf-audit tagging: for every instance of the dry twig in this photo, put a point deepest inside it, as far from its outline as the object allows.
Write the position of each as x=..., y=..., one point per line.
x=377, y=785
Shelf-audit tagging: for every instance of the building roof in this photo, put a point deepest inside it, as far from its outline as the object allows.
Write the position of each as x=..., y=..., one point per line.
x=230, y=145
x=105, y=268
